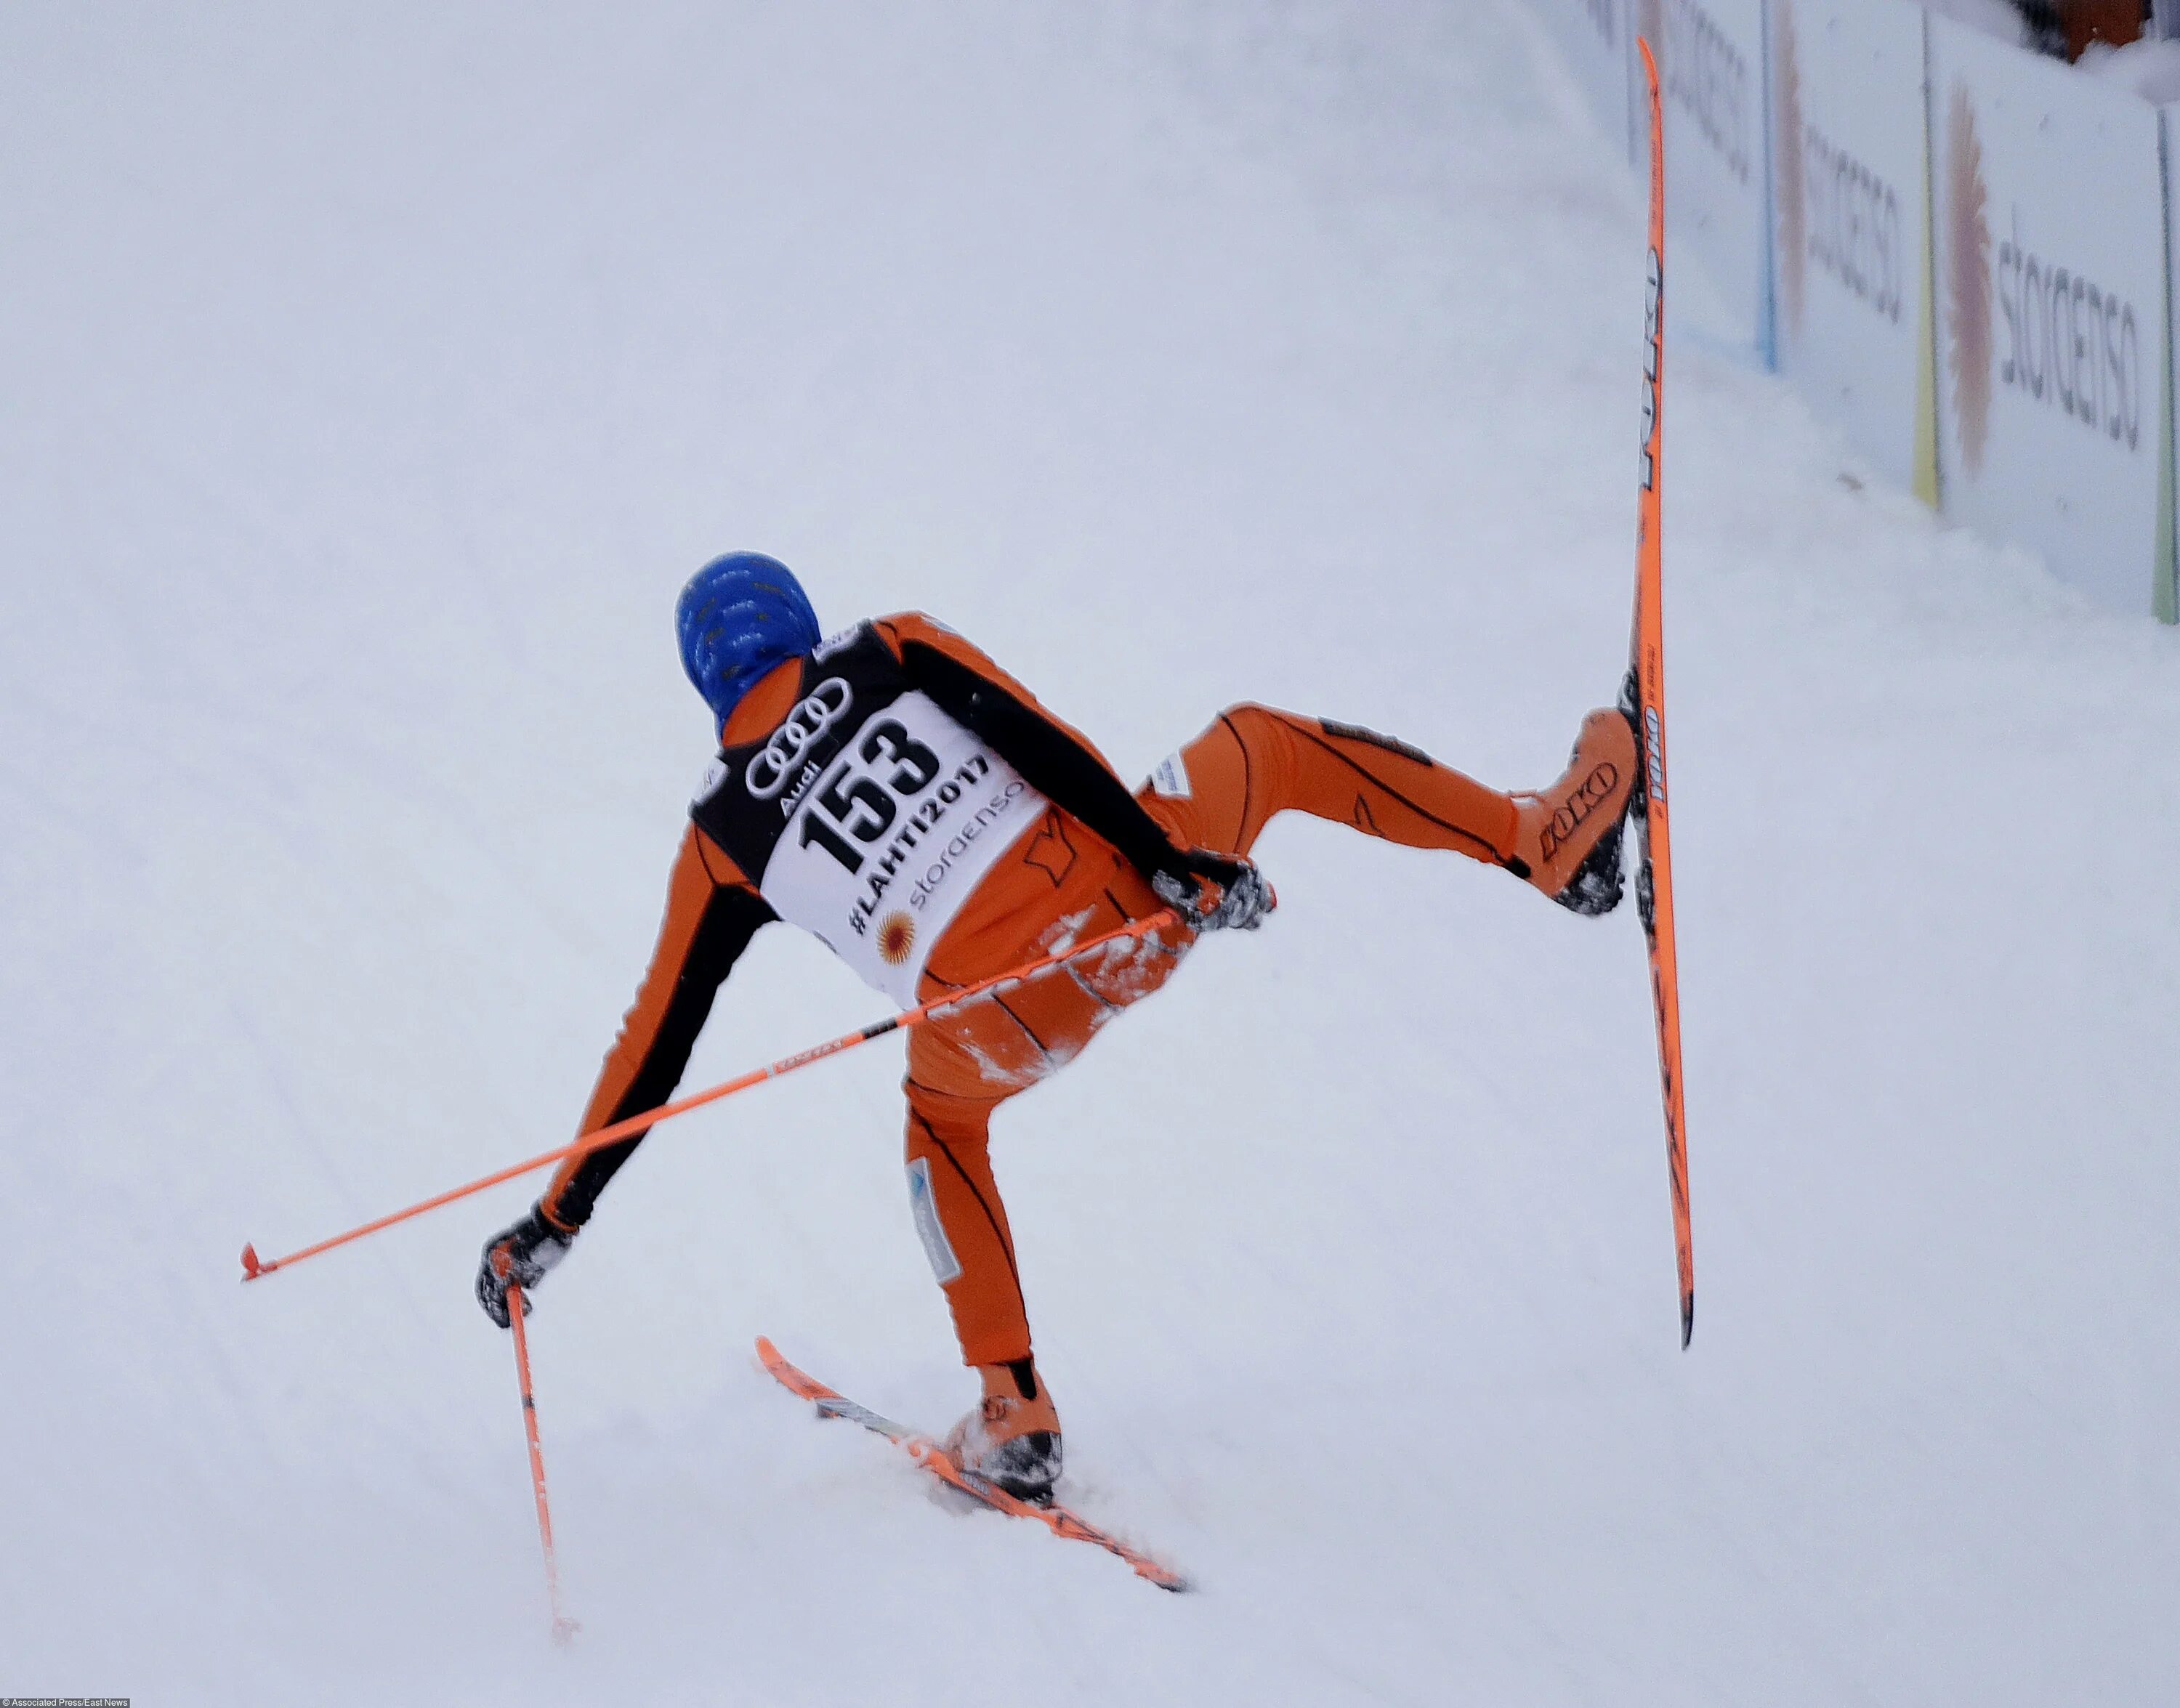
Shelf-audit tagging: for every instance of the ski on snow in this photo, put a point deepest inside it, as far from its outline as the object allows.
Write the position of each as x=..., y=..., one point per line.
x=1642, y=697
x=928, y=1453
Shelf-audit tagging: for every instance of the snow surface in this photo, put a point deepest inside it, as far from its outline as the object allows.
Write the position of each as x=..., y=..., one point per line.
x=2149, y=67
x=373, y=380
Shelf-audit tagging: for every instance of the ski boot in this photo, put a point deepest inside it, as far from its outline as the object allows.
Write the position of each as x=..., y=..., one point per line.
x=1566, y=838
x=1012, y=1438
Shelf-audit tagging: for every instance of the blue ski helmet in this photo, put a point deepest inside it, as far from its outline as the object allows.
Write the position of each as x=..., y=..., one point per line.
x=740, y=616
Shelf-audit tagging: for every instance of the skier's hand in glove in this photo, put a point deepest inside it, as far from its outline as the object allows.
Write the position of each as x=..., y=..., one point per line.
x=1213, y=893
x=521, y=1256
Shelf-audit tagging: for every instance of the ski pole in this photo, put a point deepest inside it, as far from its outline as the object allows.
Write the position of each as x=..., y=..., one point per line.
x=253, y=1266
x=563, y=1628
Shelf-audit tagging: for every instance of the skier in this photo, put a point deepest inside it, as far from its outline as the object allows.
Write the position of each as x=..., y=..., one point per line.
x=893, y=791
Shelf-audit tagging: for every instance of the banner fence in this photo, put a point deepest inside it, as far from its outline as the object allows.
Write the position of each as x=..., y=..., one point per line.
x=1962, y=254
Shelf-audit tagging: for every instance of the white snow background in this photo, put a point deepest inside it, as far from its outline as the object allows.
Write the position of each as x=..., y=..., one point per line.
x=372, y=379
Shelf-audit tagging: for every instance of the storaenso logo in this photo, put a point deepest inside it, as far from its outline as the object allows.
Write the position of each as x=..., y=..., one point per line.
x=826, y=704
x=1653, y=296
x=1968, y=293
x=1704, y=74
x=1854, y=225
x=1833, y=209
x=2070, y=343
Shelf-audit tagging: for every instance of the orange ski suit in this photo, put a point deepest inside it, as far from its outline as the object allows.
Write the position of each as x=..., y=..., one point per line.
x=1061, y=880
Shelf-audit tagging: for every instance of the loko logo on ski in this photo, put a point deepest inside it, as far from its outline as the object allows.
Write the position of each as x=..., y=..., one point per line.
x=1644, y=700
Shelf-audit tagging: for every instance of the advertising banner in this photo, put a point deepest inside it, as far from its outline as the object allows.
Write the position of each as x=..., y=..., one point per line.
x=2052, y=317
x=1849, y=261
x=1593, y=35
x=1711, y=62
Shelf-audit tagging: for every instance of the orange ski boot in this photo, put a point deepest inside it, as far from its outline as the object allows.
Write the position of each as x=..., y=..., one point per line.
x=1012, y=1438
x=1566, y=838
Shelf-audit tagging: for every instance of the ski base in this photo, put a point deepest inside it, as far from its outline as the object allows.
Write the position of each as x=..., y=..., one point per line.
x=928, y=1453
x=1643, y=701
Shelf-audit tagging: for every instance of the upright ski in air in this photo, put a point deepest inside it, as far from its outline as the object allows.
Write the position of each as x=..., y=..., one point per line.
x=928, y=1453
x=1642, y=697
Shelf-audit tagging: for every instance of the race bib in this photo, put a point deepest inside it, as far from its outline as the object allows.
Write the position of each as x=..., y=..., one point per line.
x=878, y=851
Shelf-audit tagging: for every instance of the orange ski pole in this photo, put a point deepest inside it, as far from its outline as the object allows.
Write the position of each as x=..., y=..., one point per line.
x=563, y=1628
x=253, y=1266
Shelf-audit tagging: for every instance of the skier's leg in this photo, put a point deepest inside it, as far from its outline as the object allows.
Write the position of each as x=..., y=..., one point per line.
x=1254, y=762
x=1013, y=1435
x=963, y=1224
x=962, y=1067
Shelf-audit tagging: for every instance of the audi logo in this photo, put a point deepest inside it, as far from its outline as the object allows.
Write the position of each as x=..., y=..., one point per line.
x=768, y=772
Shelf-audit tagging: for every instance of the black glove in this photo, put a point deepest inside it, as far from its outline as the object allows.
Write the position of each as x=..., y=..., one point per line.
x=522, y=1256
x=1213, y=893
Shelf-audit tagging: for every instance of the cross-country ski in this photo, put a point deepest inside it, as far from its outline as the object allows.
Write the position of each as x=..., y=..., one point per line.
x=1642, y=699
x=932, y=1456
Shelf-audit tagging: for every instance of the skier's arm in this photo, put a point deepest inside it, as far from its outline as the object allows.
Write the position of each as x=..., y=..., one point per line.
x=711, y=913
x=1056, y=760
